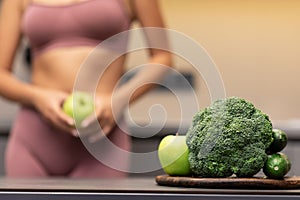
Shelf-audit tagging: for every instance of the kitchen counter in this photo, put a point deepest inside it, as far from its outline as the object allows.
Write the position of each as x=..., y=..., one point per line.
x=130, y=188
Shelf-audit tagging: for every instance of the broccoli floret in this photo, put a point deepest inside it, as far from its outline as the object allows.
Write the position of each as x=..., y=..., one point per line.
x=229, y=137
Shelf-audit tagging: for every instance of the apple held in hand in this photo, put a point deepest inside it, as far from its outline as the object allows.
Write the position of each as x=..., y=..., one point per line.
x=173, y=155
x=79, y=105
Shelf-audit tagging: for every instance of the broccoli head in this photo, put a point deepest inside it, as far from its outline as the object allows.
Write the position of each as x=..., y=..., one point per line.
x=229, y=137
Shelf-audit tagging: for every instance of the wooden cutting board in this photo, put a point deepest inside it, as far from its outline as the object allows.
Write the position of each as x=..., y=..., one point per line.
x=231, y=182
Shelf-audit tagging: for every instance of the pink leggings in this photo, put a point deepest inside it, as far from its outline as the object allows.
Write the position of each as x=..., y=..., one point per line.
x=36, y=149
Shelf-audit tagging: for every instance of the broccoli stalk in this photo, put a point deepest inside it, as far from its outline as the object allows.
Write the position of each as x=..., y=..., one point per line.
x=229, y=137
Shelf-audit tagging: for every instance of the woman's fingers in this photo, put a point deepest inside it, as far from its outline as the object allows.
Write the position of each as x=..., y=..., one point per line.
x=99, y=135
x=88, y=121
x=107, y=123
x=62, y=120
x=66, y=119
x=96, y=128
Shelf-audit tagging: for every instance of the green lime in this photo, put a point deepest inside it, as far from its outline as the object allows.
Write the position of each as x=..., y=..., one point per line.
x=287, y=159
x=279, y=141
x=277, y=166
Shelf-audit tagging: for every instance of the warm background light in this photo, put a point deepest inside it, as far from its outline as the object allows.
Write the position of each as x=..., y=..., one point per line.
x=255, y=44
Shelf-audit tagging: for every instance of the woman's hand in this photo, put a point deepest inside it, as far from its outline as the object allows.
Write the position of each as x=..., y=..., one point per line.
x=107, y=113
x=49, y=104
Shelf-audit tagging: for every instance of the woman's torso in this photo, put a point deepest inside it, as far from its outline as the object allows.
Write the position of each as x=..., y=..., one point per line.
x=63, y=35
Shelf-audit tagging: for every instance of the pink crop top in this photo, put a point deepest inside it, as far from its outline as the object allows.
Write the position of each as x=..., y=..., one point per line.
x=84, y=23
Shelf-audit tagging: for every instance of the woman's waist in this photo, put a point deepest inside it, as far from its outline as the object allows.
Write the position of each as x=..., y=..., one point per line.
x=70, y=84
x=56, y=76
x=71, y=68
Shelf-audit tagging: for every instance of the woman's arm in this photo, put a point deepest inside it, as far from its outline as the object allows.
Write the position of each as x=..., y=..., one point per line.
x=110, y=108
x=10, y=35
x=46, y=102
x=148, y=14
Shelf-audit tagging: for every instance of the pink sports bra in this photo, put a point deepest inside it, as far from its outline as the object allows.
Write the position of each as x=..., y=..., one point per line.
x=84, y=23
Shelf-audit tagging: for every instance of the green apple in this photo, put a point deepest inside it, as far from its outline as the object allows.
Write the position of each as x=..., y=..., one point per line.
x=173, y=155
x=79, y=105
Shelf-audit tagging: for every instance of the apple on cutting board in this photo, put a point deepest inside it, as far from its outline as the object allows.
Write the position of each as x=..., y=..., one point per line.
x=173, y=155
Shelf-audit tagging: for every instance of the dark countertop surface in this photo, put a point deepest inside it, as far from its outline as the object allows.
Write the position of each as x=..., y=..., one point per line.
x=127, y=185
x=124, y=189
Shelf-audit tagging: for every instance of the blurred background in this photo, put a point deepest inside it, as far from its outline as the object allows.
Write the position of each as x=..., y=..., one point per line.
x=255, y=45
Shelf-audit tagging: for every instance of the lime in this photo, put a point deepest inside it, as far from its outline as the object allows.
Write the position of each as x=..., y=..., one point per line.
x=277, y=166
x=288, y=161
x=279, y=141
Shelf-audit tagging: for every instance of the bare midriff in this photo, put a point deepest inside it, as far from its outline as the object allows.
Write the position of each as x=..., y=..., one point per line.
x=58, y=69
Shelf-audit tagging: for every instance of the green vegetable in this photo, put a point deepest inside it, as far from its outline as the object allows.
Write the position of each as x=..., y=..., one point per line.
x=229, y=137
x=277, y=166
x=279, y=141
